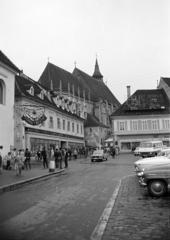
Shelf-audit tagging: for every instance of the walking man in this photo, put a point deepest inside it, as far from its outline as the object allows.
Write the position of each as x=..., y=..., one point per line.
x=66, y=158
x=27, y=158
x=44, y=155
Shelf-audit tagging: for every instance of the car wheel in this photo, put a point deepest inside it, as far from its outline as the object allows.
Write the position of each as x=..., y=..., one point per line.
x=91, y=160
x=157, y=188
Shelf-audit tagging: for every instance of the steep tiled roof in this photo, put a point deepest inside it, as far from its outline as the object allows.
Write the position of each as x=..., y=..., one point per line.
x=145, y=102
x=92, y=121
x=79, y=79
x=167, y=80
x=21, y=90
x=7, y=61
x=55, y=74
x=97, y=88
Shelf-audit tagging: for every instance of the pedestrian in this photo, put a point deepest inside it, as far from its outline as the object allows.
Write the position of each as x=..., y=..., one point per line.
x=27, y=159
x=116, y=151
x=60, y=158
x=44, y=156
x=56, y=158
x=75, y=153
x=13, y=156
x=7, y=161
x=69, y=153
x=38, y=155
x=18, y=163
x=86, y=153
x=66, y=158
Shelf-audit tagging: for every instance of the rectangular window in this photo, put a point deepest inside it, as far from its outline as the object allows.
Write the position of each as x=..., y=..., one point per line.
x=81, y=129
x=58, y=123
x=122, y=126
x=144, y=125
x=72, y=127
x=134, y=125
x=154, y=124
x=68, y=126
x=64, y=124
x=77, y=128
x=167, y=124
x=51, y=123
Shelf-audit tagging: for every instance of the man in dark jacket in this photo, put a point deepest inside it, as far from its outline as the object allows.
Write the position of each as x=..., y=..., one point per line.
x=27, y=158
x=44, y=156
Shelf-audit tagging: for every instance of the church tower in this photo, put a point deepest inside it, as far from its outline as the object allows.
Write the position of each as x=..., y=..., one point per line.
x=97, y=75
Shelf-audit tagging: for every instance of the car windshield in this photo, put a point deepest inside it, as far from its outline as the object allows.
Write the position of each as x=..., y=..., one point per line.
x=98, y=152
x=146, y=145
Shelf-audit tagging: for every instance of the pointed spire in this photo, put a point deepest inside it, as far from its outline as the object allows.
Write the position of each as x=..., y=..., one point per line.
x=97, y=74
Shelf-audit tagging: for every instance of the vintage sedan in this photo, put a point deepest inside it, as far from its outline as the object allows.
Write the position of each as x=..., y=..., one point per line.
x=142, y=164
x=156, y=179
x=99, y=155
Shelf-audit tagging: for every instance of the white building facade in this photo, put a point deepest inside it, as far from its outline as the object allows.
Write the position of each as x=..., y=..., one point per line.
x=7, y=86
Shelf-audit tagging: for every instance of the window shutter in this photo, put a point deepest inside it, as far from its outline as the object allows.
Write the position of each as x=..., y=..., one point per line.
x=149, y=124
x=118, y=126
x=126, y=125
x=163, y=123
x=139, y=125
x=130, y=125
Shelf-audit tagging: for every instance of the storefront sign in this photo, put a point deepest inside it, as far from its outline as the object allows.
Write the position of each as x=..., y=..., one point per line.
x=33, y=116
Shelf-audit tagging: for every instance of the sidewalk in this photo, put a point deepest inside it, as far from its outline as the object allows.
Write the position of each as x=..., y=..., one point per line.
x=136, y=215
x=9, y=180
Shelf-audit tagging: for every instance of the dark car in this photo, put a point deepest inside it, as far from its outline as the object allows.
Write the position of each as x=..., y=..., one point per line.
x=157, y=179
x=99, y=155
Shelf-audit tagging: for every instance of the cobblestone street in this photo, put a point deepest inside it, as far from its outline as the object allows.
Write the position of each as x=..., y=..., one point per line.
x=136, y=215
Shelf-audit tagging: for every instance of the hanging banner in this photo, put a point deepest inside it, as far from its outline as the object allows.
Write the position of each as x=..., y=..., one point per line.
x=33, y=116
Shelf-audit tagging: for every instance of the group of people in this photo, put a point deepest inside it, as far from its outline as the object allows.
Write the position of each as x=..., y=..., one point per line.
x=16, y=159
x=114, y=151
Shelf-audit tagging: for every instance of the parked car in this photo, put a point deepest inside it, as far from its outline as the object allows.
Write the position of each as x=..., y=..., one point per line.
x=99, y=155
x=156, y=179
x=150, y=148
x=136, y=152
x=142, y=164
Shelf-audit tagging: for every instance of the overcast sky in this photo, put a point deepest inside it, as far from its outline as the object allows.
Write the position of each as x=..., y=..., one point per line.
x=130, y=37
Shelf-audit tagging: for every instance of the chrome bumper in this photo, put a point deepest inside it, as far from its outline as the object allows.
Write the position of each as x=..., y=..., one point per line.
x=141, y=181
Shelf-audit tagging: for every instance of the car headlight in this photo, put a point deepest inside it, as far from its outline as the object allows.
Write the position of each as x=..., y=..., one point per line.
x=140, y=174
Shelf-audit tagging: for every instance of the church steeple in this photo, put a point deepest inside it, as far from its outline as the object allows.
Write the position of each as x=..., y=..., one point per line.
x=97, y=74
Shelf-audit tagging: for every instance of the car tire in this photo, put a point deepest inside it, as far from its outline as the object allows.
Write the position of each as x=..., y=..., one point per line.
x=91, y=160
x=157, y=188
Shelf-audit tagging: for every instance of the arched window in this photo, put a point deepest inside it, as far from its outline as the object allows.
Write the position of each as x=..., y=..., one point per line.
x=2, y=92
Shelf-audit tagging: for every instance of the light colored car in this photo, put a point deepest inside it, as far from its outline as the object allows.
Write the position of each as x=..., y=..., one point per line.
x=142, y=164
x=157, y=179
x=99, y=155
x=150, y=148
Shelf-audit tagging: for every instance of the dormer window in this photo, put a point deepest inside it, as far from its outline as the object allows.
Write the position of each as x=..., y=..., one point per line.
x=32, y=90
x=42, y=95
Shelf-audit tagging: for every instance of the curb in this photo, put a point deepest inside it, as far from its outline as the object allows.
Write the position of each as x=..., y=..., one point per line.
x=101, y=226
x=17, y=184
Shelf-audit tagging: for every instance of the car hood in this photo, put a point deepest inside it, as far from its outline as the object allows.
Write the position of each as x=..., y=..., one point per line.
x=158, y=168
x=151, y=160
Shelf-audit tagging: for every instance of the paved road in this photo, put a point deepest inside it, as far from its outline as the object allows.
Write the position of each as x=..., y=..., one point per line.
x=67, y=206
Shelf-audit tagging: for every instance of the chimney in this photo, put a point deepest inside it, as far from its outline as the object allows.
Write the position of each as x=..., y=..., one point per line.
x=128, y=92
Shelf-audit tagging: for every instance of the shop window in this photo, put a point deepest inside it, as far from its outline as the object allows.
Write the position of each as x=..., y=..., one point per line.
x=125, y=146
